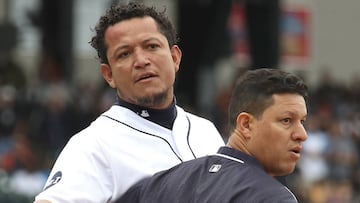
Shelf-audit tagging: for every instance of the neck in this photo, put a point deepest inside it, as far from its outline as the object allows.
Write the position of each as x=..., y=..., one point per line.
x=238, y=142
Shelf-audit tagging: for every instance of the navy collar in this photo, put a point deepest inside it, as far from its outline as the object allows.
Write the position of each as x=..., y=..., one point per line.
x=163, y=117
x=225, y=150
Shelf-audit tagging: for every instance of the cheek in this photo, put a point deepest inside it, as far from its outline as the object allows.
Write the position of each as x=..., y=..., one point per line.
x=266, y=134
x=168, y=62
x=169, y=73
x=171, y=77
x=121, y=79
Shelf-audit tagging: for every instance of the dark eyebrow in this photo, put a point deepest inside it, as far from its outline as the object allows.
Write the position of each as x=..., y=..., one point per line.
x=143, y=42
x=119, y=49
x=151, y=39
x=291, y=113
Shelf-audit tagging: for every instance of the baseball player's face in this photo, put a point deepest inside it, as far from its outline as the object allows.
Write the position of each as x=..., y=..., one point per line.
x=277, y=136
x=142, y=65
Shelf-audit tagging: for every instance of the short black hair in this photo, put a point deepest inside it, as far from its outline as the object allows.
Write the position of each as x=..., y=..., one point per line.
x=253, y=91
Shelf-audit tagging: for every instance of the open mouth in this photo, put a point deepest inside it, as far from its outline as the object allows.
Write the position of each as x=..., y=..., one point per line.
x=296, y=151
x=145, y=77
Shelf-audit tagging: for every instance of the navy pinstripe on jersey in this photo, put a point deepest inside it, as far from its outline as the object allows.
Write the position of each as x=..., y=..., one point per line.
x=172, y=149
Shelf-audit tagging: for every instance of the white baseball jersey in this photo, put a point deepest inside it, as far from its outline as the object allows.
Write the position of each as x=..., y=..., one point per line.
x=119, y=148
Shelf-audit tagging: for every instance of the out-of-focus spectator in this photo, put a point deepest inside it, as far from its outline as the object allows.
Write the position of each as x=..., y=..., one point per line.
x=26, y=169
x=58, y=117
x=343, y=157
x=313, y=163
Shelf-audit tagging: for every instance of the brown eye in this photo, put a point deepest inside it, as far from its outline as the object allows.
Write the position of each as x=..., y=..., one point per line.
x=124, y=54
x=286, y=120
x=153, y=46
x=303, y=122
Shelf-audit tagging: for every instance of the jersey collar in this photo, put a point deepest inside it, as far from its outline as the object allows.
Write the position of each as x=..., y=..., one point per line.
x=163, y=117
x=231, y=152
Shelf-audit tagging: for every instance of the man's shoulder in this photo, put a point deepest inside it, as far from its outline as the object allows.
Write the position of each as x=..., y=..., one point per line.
x=270, y=188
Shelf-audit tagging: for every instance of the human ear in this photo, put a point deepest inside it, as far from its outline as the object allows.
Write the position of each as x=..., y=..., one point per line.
x=176, y=56
x=107, y=74
x=243, y=124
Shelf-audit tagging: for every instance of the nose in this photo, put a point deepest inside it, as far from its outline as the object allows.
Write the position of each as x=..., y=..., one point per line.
x=299, y=133
x=141, y=58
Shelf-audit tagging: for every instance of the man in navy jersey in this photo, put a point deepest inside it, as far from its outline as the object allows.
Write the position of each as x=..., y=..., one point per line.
x=266, y=119
x=145, y=131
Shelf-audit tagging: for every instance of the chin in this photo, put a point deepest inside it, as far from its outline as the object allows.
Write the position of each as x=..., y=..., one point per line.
x=285, y=171
x=289, y=171
x=152, y=100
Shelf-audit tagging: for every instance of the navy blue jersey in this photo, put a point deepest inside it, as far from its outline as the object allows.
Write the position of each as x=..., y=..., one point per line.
x=228, y=176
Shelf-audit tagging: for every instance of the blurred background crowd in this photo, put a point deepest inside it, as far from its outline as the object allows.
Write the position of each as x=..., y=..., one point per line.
x=50, y=85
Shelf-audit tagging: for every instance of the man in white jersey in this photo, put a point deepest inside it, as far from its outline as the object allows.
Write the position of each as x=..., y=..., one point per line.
x=144, y=131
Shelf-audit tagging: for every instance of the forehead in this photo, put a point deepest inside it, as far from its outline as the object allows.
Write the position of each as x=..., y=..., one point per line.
x=131, y=28
x=288, y=103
